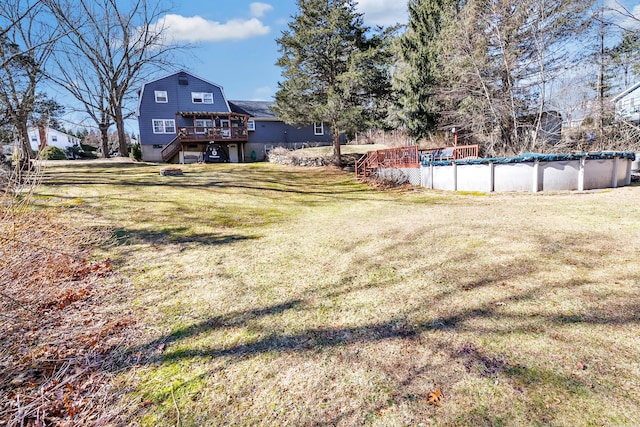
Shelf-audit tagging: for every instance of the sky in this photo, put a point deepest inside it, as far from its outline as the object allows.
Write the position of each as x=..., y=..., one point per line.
x=235, y=41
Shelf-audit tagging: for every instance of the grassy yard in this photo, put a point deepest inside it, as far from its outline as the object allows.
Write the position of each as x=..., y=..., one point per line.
x=267, y=295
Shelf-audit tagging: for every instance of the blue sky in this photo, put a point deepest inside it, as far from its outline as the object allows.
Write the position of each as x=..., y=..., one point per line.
x=235, y=40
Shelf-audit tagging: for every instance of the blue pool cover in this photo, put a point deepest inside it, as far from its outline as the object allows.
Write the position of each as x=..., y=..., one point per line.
x=532, y=157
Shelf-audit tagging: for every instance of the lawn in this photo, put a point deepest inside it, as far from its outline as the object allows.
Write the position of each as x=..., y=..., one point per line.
x=269, y=295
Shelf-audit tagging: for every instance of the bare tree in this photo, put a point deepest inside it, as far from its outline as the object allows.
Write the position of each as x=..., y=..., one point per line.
x=26, y=44
x=111, y=48
x=501, y=55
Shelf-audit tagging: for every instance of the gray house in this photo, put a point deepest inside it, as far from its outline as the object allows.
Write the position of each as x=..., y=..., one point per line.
x=266, y=131
x=185, y=119
x=627, y=104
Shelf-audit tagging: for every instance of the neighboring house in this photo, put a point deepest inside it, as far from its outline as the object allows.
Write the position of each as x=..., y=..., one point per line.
x=185, y=119
x=40, y=137
x=627, y=104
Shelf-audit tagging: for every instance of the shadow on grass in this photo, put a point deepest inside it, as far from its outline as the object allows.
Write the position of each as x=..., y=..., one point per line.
x=440, y=333
x=176, y=235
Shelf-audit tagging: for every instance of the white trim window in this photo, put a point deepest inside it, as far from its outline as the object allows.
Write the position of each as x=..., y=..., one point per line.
x=318, y=128
x=226, y=131
x=202, y=97
x=161, y=96
x=202, y=125
x=251, y=125
x=164, y=126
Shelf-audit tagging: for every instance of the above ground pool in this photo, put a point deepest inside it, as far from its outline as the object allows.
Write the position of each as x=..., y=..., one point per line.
x=528, y=172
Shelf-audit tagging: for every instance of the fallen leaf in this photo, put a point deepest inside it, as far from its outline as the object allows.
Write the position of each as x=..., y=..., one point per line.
x=434, y=397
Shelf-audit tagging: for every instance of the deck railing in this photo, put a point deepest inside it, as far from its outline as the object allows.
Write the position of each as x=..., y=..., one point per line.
x=457, y=152
x=171, y=149
x=410, y=157
x=196, y=133
x=400, y=157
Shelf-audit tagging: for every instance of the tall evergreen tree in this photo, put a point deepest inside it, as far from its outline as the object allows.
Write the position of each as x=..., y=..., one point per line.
x=417, y=77
x=335, y=70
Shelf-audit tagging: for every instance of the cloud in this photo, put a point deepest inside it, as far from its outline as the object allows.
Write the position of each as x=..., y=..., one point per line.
x=259, y=9
x=264, y=93
x=383, y=12
x=178, y=28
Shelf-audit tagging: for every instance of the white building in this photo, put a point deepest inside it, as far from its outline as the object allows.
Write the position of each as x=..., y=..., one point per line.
x=43, y=137
x=627, y=103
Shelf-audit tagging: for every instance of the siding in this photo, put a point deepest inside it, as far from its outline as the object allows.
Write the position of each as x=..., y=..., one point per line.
x=178, y=99
x=63, y=140
x=275, y=132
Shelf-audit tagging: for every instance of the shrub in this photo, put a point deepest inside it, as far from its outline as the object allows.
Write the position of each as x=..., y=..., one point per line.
x=52, y=153
x=73, y=152
x=136, y=152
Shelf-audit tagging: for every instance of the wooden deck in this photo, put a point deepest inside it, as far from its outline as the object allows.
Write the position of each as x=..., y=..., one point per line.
x=410, y=157
x=214, y=127
x=188, y=134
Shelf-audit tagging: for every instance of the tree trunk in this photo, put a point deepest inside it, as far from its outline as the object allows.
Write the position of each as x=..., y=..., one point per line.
x=337, y=158
x=23, y=137
x=104, y=139
x=122, y=135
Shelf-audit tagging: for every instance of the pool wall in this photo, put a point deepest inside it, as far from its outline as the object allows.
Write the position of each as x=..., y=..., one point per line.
x=530, y=172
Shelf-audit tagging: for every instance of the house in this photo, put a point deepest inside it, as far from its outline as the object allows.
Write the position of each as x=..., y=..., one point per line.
x=41, y=136
x=267, y=131
x=185, y=119
x=627, y=104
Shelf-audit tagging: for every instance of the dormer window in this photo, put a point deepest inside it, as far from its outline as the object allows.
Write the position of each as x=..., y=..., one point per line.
x=161, y=96
x=202, y=97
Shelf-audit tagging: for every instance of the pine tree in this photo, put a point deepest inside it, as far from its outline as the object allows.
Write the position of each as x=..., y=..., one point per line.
x=417, y=79
x=335, y=70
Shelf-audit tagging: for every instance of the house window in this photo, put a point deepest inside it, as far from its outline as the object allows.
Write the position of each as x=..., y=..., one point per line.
x=202, y=97
x=54, y=138
x=226, y=132
x=164, y=126
x=318, y=128
x=202, y=125
x=158, y=146
x=161, y=96
x=251, y=125
x=34, y=138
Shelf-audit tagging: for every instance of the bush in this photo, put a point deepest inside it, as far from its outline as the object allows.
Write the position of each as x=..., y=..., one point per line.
x=136, y=152
x=52, y=153
x=73, y=152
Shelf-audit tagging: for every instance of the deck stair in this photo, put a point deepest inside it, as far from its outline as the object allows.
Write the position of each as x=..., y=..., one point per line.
x=399, y=157
x=171, y=149
x=367, y=165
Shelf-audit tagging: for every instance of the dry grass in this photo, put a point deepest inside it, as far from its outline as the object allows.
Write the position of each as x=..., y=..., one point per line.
x=59, y=338
x=287, y=296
